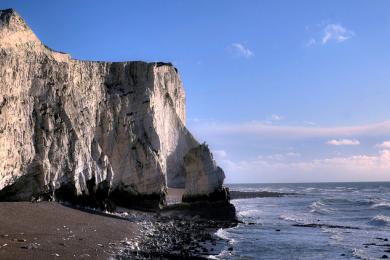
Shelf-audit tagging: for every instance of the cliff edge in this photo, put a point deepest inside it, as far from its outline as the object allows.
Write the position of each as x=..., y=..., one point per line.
x=96, y=133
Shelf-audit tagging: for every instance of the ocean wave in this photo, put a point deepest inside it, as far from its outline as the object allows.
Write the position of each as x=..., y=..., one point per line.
x=310, y=189
x=316, y=205
x=351, y=201
x=263, y=189
x=319, y=207
x=376, y=190
x=337, y=200
x=293, y=218
x=360, y=254
x=335, y=234
x=223, y=234
x=250, y=213
x=380, y=220
x=383, y=204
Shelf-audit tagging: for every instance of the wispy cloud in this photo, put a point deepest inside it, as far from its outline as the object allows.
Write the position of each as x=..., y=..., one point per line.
x=291, y=132
x=309, y=123
x=384, y=145
x=219, y=154
x=261, y=152
x=276, y=117
x=238, y=49
x=311, y=42
x=339, y=142
x=337, y=33
x=279, y=156
x=331, y=32
x=370, y=167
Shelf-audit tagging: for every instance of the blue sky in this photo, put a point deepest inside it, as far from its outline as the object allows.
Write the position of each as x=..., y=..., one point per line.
x=283, y=91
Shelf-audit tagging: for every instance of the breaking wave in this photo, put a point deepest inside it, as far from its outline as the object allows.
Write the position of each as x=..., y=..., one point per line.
x=383, y=204
x=380, y=220
x=251, y=213
x=318, y=207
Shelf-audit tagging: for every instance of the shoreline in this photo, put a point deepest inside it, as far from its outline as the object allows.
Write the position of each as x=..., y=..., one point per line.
x=53, y=230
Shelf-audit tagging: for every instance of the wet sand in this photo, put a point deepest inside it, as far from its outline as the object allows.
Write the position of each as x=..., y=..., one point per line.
x=48, y=230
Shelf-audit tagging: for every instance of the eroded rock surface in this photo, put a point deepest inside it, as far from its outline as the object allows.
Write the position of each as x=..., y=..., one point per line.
x=88, y=131
x=203, y=176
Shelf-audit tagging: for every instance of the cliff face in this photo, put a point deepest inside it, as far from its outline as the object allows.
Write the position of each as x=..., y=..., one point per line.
x=202, y=174
x=94, y=131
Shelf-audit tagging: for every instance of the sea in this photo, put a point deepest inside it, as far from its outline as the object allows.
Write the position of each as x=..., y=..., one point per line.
x=317, y=221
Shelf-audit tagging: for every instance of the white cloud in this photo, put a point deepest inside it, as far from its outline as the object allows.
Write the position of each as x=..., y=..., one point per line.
x=311, y=42
x=219, y=154
x=275, y=117
x=279, y=156
x=239, y=49
x=339, y=142
x=331, y=32
x=336, y=33
x=348, y=168
x=258, y=151
x=246, y=140
x=309, y=123
x=293, y=154
x=289, y=132
x=384, y=145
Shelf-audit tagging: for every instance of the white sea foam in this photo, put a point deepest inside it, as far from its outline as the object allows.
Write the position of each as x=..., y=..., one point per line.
x=319, y=207
x=222, y=234
x=383, y=204
x=309, y=189
x=291, y=217
x=380, y=220
x=316, y=205
x=350, y=205
x=251, y=213
x=335, y=234
x=360, y=254
x=225, y=254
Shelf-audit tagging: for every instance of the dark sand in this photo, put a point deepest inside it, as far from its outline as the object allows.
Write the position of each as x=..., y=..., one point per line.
x=48, y=230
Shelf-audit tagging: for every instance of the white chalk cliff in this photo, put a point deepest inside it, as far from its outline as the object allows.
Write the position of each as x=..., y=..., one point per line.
x=96, y=131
